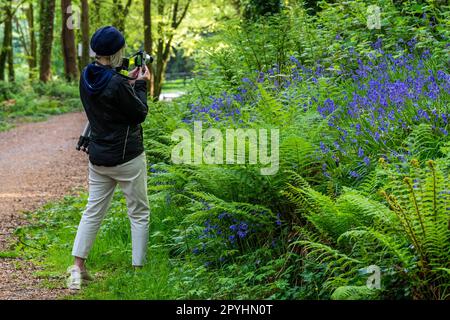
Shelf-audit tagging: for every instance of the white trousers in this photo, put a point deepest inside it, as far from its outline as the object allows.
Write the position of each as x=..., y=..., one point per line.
x=132, y=179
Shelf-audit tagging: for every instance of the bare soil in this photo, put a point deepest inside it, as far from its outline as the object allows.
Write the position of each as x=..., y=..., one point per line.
x=38, y=164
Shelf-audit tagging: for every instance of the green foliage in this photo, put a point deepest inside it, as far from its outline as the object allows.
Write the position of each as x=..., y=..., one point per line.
x=332, y=218
x=424, y=142
x=310, y=231
x=36, y=102
x=325, y=37
x=8, y=254
x=421, y=205
x=7, y=90
x=254, y=9
x=415, y=241
x=353, y=293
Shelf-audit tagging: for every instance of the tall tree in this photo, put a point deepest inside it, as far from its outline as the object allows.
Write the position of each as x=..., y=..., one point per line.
x=84, y=33
x=148, y=41
x=164, y=42
x=28, y=41
x=32, y=54
x=47, y=20
x=68, y=41
x=6, y=54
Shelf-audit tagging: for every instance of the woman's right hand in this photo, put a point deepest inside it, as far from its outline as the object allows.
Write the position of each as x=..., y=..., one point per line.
x=144, y=75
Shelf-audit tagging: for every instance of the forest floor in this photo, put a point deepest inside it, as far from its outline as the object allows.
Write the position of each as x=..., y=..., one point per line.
x=38, y=164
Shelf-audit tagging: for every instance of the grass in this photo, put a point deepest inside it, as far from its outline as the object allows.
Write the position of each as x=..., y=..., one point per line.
x=151, y=282
x=174, y=86
x=35, y=102
x=8, y=254
x=47, y=242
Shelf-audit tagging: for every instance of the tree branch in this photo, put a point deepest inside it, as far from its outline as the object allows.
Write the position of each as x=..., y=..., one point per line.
x=127, y=8
x=183, y=15
x=167, y=48
x=13, y=12
x=22, y=36
x=174, y=14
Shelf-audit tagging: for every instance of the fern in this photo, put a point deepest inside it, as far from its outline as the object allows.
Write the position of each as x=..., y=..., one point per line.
x=421, y=205
x=333, y=218
x=243, y=210
x=354, y=293
x=412, y=239
x=299, y=155
x=423, y=142
x=271, y=110
x=339, y=268
x=393, y=249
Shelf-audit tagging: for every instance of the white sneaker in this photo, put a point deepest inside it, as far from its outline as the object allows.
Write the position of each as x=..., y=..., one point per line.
x=74, y=280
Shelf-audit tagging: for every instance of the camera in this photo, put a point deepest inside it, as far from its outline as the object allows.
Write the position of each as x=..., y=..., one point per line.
x=141, y=58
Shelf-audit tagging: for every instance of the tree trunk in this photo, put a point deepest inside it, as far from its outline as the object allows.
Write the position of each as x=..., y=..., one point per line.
x=6, y=54
x=157, y=78
x=85, y=33
x=3, y=55
x=11, y=75
x=68, y=43
x=47, y=17
x=148, y=40
x=32, y=54
x=162, y=59
x=23, y=40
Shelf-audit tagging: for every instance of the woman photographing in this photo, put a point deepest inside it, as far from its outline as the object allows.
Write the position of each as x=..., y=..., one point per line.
x=115, y=106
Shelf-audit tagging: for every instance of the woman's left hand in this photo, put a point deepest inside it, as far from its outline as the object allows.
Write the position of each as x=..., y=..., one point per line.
x=145, y=75
x=134, y=73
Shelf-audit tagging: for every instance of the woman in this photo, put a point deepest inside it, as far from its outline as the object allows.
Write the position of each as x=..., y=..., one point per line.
x=115, y=106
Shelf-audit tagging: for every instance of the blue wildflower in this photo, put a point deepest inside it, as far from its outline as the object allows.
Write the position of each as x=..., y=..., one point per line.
x=354, y=174
x=242, y=234
x=360, y=152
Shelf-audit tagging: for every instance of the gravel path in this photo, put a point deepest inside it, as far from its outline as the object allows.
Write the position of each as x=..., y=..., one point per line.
x=38, y=163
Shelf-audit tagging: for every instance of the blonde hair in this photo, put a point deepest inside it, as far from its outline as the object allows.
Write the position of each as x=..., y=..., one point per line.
x=116, y=59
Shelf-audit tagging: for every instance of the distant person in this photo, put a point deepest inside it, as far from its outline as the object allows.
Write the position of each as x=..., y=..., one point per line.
x=115, y=106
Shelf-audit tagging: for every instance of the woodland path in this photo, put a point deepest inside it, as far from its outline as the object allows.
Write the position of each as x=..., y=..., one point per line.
x=38, y=164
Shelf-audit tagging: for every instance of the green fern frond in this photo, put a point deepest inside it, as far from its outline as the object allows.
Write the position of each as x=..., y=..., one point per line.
x=354, y=293
x=333, y=218
x=423, y=142
x=298, y=155
x=393, y=244
x=243, y=210
x=422, y=205
x=335, y=261
x=364, y=211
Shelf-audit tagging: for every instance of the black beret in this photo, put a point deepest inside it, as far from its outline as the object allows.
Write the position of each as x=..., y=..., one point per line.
x=107, y=41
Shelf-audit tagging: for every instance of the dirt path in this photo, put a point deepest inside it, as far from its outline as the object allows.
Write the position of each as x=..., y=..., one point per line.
x=38, y=163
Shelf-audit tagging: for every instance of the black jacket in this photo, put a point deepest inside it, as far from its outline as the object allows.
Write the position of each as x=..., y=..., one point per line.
x=115, y=110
